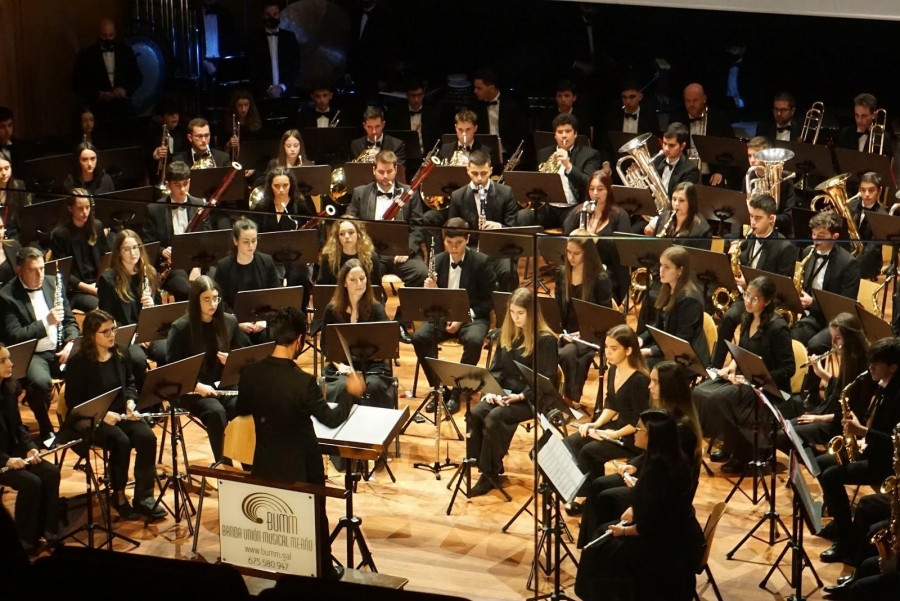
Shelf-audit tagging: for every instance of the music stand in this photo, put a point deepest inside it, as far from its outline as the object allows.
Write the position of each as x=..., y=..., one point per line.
x=390, y=238
x=37, y=220
x=887, y=228
x=874, y=327
x=543, y=139
x=723, y=205
x=444, y=180
x=200, y=249
x=124, y=335
x=151, y=248
x=548, y=304
x=64, y=265
x=713, y=269
x=204, y=182
x=20, y=354
x=553, y=248
x=328, y=145
x=550, y=403
x=784, y=288
x=724, y=153
x=410, y=141
x=47, y=174
x=287, y=248
x=539, y=188
x=238, y=358
x=508, y=242
x=314, y=179
x=358, y=174
x=126, y=166
x=144, y=194
x=256, y=154
x=678, y=350
x=594, y=321
x=832, y=304
x=637, y=202
x=618, y=139
x=168, y=383
x=154, y=322
x=857, y=163
x=802, y=231
x=262, y=305
x=125, y=209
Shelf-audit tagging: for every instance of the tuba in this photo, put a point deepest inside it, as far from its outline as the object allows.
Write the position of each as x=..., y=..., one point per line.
x=812, y=123
x=877, y=131
x=887, y=540
x=773, y=160
x=834, y=193
x=845, y=448
x=647, y=177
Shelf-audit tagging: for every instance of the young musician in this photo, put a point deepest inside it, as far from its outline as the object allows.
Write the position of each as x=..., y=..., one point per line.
x=242, y=107
x=582, y=277
x=786, y=197
x=209, y=330
x=465, y=126
x=354, y=302
x=417, y=116
x=725, y=405
x=290, y=151
x=201, y=154
x=492, y=422
x=500, y=116
x=29, y=311
x=9, y=248
x=100, y=366
x=86, y=175
x=627, y=396
x=35, y=481
x=683, y=219
x=674, y=167
x=566, y=104
x=782, y=126
x=323, y=113
x=176, y=139
x=80, y=235
x=376, y=141
x=764, y=249
x=871, y=259
x=347, y=239
x=12, y=196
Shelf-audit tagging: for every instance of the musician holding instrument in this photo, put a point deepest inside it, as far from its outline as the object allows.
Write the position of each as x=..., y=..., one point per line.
x=201, y=155
x=323, y=114
x=86, y=174
x=36, y=481
x=782, y=127
x=764, y=249
x=290, y=151
x=366, y=148
x=872, y=431
x=493, y=420
x=347, y=239
x=673, y=166
x=703, y=121
x=459, y=151
x=166, y=135
x=582, y=276
x=683, y=219
x=80, y=235
x=870, y=188
x=630, y=118
x=241, y=121
x=13, y=196
x=868, y=125
x=207, y=329
x=100, y=365
x=786, y=198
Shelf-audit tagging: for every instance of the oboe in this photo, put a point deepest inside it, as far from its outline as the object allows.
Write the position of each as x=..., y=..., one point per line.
x=482, y=206
x=58, y=302
x=432, y=273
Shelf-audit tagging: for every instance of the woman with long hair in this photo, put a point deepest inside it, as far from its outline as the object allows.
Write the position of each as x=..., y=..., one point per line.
x=725, y=406
x=493, y=420
x=683, y=219
x=80, y=235
x=36, y=481
x=653, y=548
x=12, y=196
x=611, y=435
x=582, y=277
x=209, y=330
x=679, y=307
x=347, y=239
x=100, y=365
x=87, y=173
x=354, y=302
x=290, y=151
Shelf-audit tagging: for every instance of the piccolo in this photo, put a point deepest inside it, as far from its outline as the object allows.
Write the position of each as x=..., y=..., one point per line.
x=820, y=357
x=42, y=454
x=571, y=338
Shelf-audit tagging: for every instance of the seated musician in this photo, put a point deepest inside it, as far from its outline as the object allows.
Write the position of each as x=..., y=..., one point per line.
x=458, y=152
x=129, y=285
x=871, y=259
x=86, y=174
x=566, y=97
x=165, y=220
x=631, y=118
x=492, y=422
x=679, y=307
x=9, y=248
x=872, y=430
x=209, y=330
x=35, y=480
x=576, y=163
x=582, y=277
x=858, y=136
x=786, y=197
x=656, y=543
x=282, y=398
x=347, y=239
x=683, y=220
x=782, y=126
x=458, y=267
x=323, y=113
x=290, y=151
x=201, y=155
x=765, y=249
x=242, y=106
x=370, y=201
x=674, y=167
x=354, y=302
x=702, y=120
x=80, y=235
x=488, y=205
x=419, y=116
x=176, y=140
x=376, y=141
x=724, y=404
x=100, y=365
x=830, y=268
x=13, y=196
x=594, y=444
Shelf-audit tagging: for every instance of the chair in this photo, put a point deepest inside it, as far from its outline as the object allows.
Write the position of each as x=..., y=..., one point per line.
x=709, y=532
x=800, y=357
x=866, y=290
x=710, y=331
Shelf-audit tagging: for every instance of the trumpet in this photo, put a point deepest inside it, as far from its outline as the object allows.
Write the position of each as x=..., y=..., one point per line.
x=646, y=175
x=877, y=131
x=236, y=133
x=822, y=356
x=845, y=448
x=812, y=123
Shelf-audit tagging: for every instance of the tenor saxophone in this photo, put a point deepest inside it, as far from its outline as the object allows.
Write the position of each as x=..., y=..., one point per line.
x=887, y=540
x=845, y=448
x=721, y=296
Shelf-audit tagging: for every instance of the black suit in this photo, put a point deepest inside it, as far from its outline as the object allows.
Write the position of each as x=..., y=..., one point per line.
x=90, y=79
x=477, y=279
x=647, y=123
x=222, y=159
x=261, y=63
x=263, y=273
x=585, y=161
x=871, y=259
x=685, y=170
x=585, y=121
x=64, y=242
x=717, y=124
x=10, y=249
x=511, y=121
x=399, y=118
x=848, y=137
x=310, y=118
x=387, y=143
x=698, y=235
x=769, y=129
x=158, y=228
x=841, y=277
x=152, y=139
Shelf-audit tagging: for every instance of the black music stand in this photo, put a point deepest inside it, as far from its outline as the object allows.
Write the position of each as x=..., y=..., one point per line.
x=390, y=238
x=238, y=358
x=887, y=228
x=328, y=145
x=144, y=194
x=64, y=265
x=37, y=220
x=359, y=174
x=725, y=206
x=47, y=174
x=204, y=182
x=155, y=322
x=511, y=243
x=543, y=139
x=832, y=304
x=256, y=154
x=802, y=231
x=857, y=163
x=287, y=248
x=410, y=141
x=678, y=350
x=321, y=296
x=124, y=335
x=550, y=402
x=117, y=212
x=724, y=153
x=313, y=179
x=168, y=383
x=20, y=354
x=809, y=159
x=638, y=251
x=713, y=269
x=618, y=139
x=594, y=321
x=785, y=292
x=126, y=166
x=637, y=202
x=152, y=249
x=262, y=305
x=535, y=187
x=200, y=249
x=444, y=180
x=548, y=304
x=553, y=248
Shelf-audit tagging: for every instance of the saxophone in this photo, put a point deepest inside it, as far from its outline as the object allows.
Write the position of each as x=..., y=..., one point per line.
x=801, y=267
x=887, y=540
x=845, y=448
x=482, y=206
x=58, y=302
x=721, y=297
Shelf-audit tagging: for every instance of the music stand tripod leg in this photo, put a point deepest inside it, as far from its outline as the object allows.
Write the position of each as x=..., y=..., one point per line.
x=523, y=509
x=436, y=467
x=182, y=506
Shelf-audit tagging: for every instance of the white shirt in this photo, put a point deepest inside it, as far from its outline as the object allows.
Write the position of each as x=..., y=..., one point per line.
x=784, y=136
x=41, y=311
x=630, y=126
x=273, y=57
x=382, y=203
x=756, y=251
x=863, y=144
x=493, y=111
x=415, y=124
x=322, y=121
x=666, y=175
x=179, y=219
x=453, y=276
x=698, y=130
x=109, y=60
x=819, y=280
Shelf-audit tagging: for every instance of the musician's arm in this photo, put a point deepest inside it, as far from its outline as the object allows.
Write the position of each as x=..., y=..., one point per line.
x=329, y=416
x=510, y=210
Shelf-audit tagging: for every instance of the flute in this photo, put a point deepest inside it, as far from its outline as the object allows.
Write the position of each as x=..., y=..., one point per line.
x=820, y=357
x=571, y=338
x=42, y=454
x=605, y=437
x=628, y=478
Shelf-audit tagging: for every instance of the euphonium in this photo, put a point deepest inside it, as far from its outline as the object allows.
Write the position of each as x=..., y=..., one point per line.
x=58, y=302
x=812, y=123
x=646, y=175
x=834, y=193
x=845, y=448
x=721, y=296
x=876, y=132
x=773, y=160
x=887, y=540
x=641, y=279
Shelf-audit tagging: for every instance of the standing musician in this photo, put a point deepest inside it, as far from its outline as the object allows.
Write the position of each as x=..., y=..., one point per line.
x=35, y=480
x=376, y=141
x=786, y=197
x=165, y=220
x=576, y=164
x=857, y=137
x=683, y=220
x=209, y=330
x=765, y=249
x=347, y=239
x=9, y=248
x=282, y=399
x=872, y=429
x=703, y=121
x=465, y=126
x=725, y=405
x=492, y=422
x=782, y=126
x=679, y=307
x=627, y=396
x=582, y=277
x=370, y=201
x=274, y=55
x=871, y=259
x=80, y=235
x=99, y=366
x=830, y=268
x=85, y=175
x=12, y=196
x=354, y=302
x=201, y=155
x=458, y=267
x=33, y=306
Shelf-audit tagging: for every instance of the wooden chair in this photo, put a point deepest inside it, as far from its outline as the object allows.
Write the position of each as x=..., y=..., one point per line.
x=800, y=357
x=709, y=532
x=864, y=296
x=710, y=331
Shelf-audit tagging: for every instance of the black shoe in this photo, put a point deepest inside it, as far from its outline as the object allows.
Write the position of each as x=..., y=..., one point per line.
x=735, y=465
x=419, y=418
x=453, y=406
x=430, y=405
x=846, y=579
x=829, y=532
x=574, y=508
x=841, y=591
x=482, y=487
x=125, y=511
x=838, y=553
x=719, y=456
x=146, y=508
x=405, y=338
x=334, y=573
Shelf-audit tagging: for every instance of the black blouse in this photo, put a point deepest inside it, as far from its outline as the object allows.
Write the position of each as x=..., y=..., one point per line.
x=326, y=276
x=629, y=401
x=504, y=370
x=601, y=294
x=772, y=342
x=376, y=313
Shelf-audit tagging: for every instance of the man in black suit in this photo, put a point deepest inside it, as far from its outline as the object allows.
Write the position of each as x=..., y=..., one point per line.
x=567, y=104
x=503, y=118
x=871, y=259
x=715, y=123
x=499, y=208
x=375, y=139
x=783, y=126
x=832, y=269
x=169, y=115
x=673, y=166
x=417, y=116
x=765, y=249
x=370, y=201
x=198, y=137
x=576, y=164
x=458, y=267
x=274, y=55
x=106, y=75
x=632, y=118
x=858, y=137
x=465, y=126
x=29, y=312
x=171, y=217
x=322, y=113
x=786, y=197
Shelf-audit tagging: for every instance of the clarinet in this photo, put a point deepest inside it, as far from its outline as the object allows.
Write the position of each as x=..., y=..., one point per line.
x=482, y=206
x=432, y=273
x=58, y=302
x=587, y=209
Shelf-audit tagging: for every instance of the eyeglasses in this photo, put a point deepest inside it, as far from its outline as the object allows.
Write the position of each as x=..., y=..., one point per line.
x=750, y=299
x=131, y=249
x=211, y=301
x=111, y=331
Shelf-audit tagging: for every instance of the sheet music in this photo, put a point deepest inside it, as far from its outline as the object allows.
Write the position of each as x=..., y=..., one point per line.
x=804, y=454
x=323, y=432
x=364, y=426
x=812, y=509
x=559, y=466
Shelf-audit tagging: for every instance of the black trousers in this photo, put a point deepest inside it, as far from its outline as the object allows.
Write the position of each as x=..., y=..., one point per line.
x=811, y=434
x=470, y=335
x=872, y=584
x=43, y=368
x=727, y=413
x=833, y=480
x=592, y=455
x=379, y=387
x=119, y=440
x=83, y=301
x=727, y=326
x=606, y=500
x=575, y=360
x=872, y=513
x=215, y=413
x=178, y=285
x=813, y=334
x=37, y=500
x=490, y=431
x=413, y=271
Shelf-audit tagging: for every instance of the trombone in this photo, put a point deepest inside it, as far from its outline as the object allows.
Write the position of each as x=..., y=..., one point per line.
x=812, y=123
x=877, y=131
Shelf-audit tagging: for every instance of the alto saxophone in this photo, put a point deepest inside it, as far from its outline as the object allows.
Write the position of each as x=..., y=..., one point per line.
x=721, y=297
x=58, y=302
x=845, y=448
x=887, y=540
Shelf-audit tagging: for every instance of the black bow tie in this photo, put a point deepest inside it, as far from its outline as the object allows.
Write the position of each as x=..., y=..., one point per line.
x=862, y=133
x=31, y=289
x=455, y=265
x=412, y=112
x=695, y=119
x=492, y=102
x=821, y=256
x=631, y=116
x=384, y=195
x=781, y=130
x=462, y=148
x=669, y=165
x=204, y=155
x=323, y=113
x=373, y=144
x=271, y=34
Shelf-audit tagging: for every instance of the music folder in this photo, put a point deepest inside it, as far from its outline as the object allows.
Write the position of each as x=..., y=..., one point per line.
x=154, y=322
x=435, y=304
x=809, y=159
x=365, y=341
x=550, y=402
x=238, y=358
x=857, y=163
x=261, y=305
x=328, y=145
x=553, y=248
x=832, y=304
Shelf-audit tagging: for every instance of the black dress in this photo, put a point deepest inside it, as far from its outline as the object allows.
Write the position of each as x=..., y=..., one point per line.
x=70, y=241
x=617, y=221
